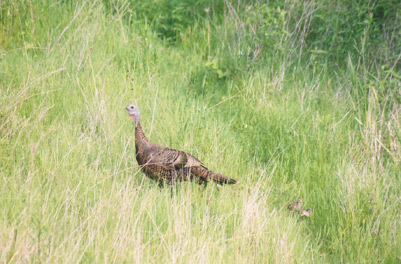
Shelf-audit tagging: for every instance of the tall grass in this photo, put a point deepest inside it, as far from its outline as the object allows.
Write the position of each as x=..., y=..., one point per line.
x=275, y=113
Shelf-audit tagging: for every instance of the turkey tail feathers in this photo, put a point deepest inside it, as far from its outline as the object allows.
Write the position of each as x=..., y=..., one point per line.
x=221, y=179
x=207, y=175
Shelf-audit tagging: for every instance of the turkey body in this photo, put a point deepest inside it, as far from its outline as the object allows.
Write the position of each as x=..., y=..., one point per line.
x=167, y=165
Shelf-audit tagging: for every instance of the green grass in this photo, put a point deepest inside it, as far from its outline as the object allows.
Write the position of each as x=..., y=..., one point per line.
x=285, y=127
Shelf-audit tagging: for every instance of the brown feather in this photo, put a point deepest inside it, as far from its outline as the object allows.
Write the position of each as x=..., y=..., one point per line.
x=168, y=165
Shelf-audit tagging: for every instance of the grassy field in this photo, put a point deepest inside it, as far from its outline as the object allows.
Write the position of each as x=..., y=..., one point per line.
x=241, y=89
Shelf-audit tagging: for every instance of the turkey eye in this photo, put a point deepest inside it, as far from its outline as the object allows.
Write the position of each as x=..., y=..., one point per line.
x=132, y=107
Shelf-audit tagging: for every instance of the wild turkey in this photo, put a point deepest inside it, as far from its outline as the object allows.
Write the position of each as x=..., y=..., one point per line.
x=306, y=212
x=167, y=165
x=295, y=206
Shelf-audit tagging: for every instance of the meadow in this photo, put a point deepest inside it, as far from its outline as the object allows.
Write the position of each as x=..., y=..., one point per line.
x=291, y=98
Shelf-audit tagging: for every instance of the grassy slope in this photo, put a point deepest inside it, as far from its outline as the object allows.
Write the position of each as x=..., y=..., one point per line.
x=71, y=190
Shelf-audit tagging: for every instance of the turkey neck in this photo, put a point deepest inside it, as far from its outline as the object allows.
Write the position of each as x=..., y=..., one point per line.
x=141, y=142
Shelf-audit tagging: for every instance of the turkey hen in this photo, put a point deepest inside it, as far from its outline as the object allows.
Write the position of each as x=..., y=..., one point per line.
x=167, y=165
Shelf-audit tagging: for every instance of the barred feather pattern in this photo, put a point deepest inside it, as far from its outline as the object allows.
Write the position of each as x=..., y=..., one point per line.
x=167, y=165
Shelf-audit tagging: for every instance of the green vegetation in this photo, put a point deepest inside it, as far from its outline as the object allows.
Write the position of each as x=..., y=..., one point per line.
x=292, y=98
